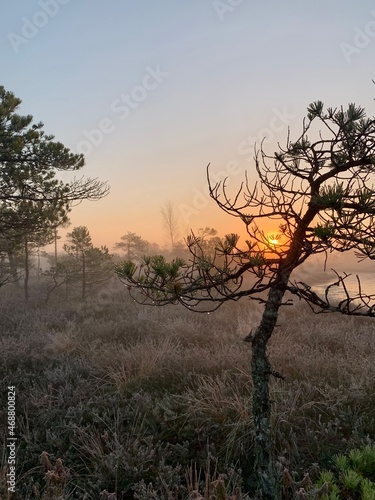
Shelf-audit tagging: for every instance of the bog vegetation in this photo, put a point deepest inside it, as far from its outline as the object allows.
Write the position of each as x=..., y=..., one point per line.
x=149, y=403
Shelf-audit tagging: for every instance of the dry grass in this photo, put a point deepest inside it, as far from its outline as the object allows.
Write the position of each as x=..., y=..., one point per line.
x=133, y=400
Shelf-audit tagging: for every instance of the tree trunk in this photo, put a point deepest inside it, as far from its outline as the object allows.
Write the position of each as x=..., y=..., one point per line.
x=27, y=271
x=38, y=254
x=2, y=267
x=83, y=277
x=13, y=269
x=265, y=464
x=55, y=242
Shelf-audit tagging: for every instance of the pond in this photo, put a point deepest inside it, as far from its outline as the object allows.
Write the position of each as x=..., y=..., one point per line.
x=367, y=280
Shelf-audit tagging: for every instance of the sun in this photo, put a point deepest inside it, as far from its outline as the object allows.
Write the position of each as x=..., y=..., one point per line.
x=273, y=240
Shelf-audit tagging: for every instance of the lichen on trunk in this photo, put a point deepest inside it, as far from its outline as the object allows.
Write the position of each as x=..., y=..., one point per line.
x=265, y=464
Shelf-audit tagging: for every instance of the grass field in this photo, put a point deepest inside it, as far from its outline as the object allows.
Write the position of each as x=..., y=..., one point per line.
x=155, y=403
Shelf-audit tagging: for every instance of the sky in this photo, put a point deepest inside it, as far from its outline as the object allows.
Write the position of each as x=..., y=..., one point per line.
x=151, y=91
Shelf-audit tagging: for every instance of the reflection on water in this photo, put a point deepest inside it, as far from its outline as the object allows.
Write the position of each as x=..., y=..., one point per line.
x=351, y=283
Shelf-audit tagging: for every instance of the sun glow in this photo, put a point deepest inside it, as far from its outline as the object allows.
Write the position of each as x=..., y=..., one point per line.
x=275, y=244
x=273, y=240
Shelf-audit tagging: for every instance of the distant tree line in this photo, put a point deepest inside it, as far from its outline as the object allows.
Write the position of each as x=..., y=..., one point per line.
x=35, y=204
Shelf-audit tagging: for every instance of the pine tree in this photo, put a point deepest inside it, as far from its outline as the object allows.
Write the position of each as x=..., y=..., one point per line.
x=319, y=193
x=88, y=266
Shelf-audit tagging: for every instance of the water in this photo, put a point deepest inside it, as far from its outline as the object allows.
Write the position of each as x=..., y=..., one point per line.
x=337, y=292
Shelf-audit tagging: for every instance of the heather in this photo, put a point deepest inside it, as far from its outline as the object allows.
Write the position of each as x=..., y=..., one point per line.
x=141, y=402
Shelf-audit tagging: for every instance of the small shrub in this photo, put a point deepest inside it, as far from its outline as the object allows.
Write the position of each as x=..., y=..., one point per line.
x=349, y=477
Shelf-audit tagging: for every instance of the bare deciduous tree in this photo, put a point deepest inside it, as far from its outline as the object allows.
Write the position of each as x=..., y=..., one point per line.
x=170, y=223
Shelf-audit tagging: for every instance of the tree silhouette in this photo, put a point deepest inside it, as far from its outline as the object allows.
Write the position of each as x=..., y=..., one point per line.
x=133, y=245
x=88, y=266
x=11, y=259
x=170, y=223
x=317, y=190
x=31, y=196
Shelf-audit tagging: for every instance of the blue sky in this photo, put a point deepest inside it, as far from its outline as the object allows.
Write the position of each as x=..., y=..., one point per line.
x=153, y=90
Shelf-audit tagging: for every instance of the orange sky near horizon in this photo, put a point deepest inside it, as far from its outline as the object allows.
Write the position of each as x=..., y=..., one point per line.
x=151, y=92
